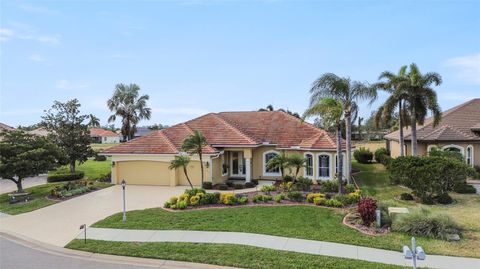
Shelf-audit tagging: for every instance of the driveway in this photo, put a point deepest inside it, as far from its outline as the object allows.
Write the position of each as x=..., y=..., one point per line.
x=58, y=224
x=7, y=185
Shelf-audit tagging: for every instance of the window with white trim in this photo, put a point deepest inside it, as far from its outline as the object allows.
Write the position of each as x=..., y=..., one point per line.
x=267, y=156
x=324, y=166
x=469, y=155
x=309, y=165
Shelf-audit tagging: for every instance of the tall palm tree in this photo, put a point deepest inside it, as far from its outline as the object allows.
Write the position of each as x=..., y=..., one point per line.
x=181, y=161
x=394, y=101
x=348, y=93
x=280, y=161
x=194, y=144
x=127, y=103
x=331, y=111
x=296, y=161
x=93, y=121
x=421, y=98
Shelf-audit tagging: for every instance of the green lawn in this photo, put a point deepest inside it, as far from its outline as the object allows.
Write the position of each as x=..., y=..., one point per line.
x=90, y=167
x=222, y=254
x=39, y=193
x=374, y=181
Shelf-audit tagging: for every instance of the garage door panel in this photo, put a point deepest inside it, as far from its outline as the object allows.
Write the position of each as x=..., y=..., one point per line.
x=144, y=172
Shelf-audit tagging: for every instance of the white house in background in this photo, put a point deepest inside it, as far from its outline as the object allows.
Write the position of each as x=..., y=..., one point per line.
x=103, y=136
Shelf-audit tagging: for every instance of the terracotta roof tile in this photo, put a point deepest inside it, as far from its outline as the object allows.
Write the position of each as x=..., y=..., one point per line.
x=95, y=132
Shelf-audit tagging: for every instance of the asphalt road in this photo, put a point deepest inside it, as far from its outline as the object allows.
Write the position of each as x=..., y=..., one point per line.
x=17, y=256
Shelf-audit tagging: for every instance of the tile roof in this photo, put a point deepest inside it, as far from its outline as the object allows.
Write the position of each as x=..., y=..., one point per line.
x=225, y=129
x=457, y=124
x=95, y=132
x=42, y=131
x=3, y=126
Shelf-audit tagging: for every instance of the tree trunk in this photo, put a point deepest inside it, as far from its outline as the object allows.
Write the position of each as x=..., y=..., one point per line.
x=348, y=138
x=413, y=124
x=201, y=165
x=186, y=175
x=339, y=160
x=400, y=125
x=72, y=167
x=19, y=185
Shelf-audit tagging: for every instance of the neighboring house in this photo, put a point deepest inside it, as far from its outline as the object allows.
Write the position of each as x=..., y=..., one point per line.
x=141, y=131
x=103, y=136
x=4, y=127
x=459, y=130
x=239, y=146
x=42, y=131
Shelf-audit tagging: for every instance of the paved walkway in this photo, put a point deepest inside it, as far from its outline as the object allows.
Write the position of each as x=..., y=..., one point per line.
x=278, y=243
x=58, y=224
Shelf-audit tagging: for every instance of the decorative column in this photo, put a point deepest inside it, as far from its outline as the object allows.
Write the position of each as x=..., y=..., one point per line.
x=248, y=173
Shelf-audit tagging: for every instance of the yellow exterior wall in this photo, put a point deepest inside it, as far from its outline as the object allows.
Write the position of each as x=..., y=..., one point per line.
x=144, y=173
x=194, y=173
x=217, y=176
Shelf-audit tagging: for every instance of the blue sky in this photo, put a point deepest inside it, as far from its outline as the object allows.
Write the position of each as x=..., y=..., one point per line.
x=194, y=57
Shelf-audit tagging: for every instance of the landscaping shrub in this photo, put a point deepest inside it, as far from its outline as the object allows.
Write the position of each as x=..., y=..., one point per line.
x=366, y=208
x=444, y=199
x=303, y=184
x=100, y=158
x=173, y=200
x=103, y=178
x=230, y=183
x=194, y=191
x=286, y=186
x=381, y=154
x=57, y=177
x=242, y=200
x=250, y=185
x=333, y=203
x=288, y=178
x=464, y=188
x=72, y=188
x=349, y=188
x=181, y=204
x=268, y=188
x=228, y=199
x=422, y=223
x=295, y=196
x=267, y=198
x=167, y=204
x=363, y=155
x=279, y=197
x=406, y=196
x=255, y=181
x=207, y=185
x=257, y=198
x=223, y=187
x=435, y=152
x=194, y=200
x=429, y=176
x=210, y=198
x=329, y=186
x=311, y=196
x=238, y=186
x=354, y=197
x=319, y=201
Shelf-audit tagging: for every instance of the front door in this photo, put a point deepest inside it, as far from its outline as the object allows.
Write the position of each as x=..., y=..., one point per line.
x=237, y=164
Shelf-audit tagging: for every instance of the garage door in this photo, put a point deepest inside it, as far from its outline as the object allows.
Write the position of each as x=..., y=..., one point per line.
x=144, y=172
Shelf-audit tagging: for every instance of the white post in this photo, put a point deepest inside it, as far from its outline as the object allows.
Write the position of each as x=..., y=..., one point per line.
x=414, y=250
x=248, y=176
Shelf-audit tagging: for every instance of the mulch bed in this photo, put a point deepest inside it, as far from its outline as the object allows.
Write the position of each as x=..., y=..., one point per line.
x=353, y=221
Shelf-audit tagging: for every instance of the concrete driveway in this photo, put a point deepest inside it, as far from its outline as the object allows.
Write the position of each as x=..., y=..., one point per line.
x=6, y=185
x=58, y=224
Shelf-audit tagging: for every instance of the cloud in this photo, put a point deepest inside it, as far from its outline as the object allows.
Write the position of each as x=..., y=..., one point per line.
x=468, y=67
x=68, y=85
x=48, y=40
x=36, y=58
x=37, y=9
x=6, y=34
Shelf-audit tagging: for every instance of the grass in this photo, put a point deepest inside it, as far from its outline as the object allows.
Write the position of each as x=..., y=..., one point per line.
x=223, y=254
x=374, y=181
x=91, y=168
x=40, y=193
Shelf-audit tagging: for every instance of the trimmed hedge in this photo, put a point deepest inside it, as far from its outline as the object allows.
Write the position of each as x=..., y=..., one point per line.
x=100, y=158
x=66, y=177
x=363, y=155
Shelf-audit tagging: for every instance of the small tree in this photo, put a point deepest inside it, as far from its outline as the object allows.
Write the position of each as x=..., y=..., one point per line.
x=23, y=155
x=181, y=161
x=194, y=144
x=296, y=161
x=280, y=161
x=69, y=131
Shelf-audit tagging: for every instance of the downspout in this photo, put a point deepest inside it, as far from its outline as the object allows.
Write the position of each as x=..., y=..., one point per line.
x=211, y=164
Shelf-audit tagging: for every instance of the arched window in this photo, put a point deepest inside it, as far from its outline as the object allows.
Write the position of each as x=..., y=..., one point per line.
x=309, y=165
x=267, y=156
x=324, y=166
x=454, y=148
x=469, y=155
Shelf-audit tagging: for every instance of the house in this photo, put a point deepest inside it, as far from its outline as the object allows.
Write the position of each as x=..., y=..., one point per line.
x=4, y=127
x=103, y=136
x=459, y=130
x=239, y=146
x=42, y=131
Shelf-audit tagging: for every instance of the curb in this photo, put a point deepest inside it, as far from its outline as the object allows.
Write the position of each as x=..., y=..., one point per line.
x=103, y=258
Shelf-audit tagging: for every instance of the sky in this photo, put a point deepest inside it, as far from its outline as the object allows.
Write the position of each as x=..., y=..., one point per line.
x=198, y=56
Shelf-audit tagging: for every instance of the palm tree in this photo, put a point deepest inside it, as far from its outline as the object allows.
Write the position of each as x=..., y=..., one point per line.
x=280, y=161
x=394, y=101
x=181, y=161
x=296, y=161
x=347, y=92
x=93, y=121
x=420, y=98
x=132, y=108
x=331, y=111
x=194, y=144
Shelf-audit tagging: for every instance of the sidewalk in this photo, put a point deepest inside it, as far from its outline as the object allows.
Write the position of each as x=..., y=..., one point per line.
x=278, y=243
